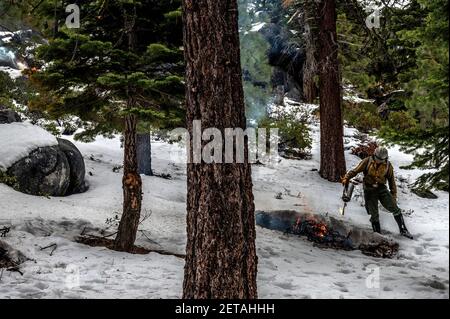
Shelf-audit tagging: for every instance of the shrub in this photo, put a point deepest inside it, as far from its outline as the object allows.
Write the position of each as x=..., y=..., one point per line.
x=363, y=116
x=401, y=121
x=295, y=140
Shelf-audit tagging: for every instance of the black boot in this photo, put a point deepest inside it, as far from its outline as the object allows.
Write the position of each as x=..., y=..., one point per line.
x=376, y=227
x=401, y=225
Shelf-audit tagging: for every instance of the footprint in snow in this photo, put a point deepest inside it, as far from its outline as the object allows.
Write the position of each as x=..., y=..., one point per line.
x=419, y=251
x=435, y=284
x=41, y=286
x=285, y=285
x=346, y=271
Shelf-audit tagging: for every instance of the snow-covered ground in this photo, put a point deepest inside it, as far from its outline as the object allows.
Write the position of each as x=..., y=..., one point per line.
x=289, y=267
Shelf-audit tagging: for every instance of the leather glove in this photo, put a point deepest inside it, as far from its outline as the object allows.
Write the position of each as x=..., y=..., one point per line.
x=344, y=181
x=394, y=196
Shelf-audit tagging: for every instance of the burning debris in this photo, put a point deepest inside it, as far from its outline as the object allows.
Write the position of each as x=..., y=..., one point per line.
x=321, y=234
x=328, y=232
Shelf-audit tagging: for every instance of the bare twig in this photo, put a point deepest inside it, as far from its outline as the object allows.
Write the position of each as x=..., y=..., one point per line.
x=148, y=238
x=110, y=235
x=146, y=216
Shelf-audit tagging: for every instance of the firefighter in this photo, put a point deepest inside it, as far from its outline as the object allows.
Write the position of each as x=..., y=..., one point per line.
x=377, y=172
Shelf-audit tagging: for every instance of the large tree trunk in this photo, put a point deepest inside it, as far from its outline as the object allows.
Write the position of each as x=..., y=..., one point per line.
x=332, y=159
x=221, y=256
x=144, y=154
x=131, y=182
x=132, y=190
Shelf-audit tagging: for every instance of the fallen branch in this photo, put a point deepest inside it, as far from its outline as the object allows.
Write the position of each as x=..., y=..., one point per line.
x=96, y=241
x=15, y=269
x=49, y=246
x=163, y=175
x=4, y=231
x=167, y=253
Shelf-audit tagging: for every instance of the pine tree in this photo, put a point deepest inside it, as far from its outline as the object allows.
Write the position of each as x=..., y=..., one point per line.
x=428, y=102
x=373, y=60
x=121, y=66
x=221, y=254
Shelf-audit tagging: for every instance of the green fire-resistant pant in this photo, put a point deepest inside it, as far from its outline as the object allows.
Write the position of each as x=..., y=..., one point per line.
x=381, y=193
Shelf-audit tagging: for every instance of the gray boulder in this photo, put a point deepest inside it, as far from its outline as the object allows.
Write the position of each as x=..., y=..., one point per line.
x=49, y=171
x=77, y=169
x=44, y=172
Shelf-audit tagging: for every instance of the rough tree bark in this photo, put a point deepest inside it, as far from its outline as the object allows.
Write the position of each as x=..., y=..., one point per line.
x=221, y=259
x=132, y=190
x=332, y=159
